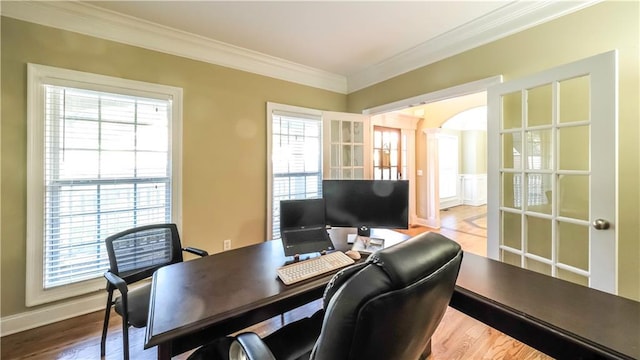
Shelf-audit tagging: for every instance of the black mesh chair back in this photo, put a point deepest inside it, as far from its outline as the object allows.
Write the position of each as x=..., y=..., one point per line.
x=134, y=255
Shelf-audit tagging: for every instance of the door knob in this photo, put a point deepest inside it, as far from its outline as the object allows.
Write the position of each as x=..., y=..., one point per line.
x=600, y=224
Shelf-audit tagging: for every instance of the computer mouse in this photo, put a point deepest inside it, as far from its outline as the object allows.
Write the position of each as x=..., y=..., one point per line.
x=353, y=254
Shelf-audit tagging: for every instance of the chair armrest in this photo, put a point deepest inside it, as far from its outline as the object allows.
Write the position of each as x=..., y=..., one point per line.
x=196, y=251
x=251, y=347
x=117, y=281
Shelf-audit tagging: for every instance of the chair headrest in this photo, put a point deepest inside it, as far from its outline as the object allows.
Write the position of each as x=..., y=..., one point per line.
x=410, y=260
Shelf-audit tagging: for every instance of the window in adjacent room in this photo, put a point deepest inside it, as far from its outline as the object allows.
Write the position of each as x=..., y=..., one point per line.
x=295, y=148
x=104, y=156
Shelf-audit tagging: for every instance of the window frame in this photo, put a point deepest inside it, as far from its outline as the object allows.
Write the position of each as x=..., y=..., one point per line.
x=37, y=77
x=293, y=110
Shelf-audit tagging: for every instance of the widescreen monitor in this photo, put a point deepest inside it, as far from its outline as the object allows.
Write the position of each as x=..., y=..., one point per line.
x=366, y=204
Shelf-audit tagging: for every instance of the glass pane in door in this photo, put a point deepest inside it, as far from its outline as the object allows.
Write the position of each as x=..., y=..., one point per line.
x=539, y=193
x=346, y=132
x=539, y=150
x=538, y=236
x=358, y=153
x=358, y=132
x=511, y=110
x=394, y=173
x=511, y=190
x=511, y=230
x=335, y=155
x=347, y=149
x=573, y=148
x=539, y=110
x=574, y=196
x=573, y=245
x=386, y=153
x=335, y=130
x=511, y=150
x=346, y=155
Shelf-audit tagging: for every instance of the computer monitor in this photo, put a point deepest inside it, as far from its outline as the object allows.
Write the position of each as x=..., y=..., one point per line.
x=366, y=204
x=301, y=213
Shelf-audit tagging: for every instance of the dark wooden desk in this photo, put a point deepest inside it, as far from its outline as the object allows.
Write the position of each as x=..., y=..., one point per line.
x=559, y=318
x=198, y=300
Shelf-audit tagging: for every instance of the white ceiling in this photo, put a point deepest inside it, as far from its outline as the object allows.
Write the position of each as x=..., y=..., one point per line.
x=343, y=38
x=340, y=46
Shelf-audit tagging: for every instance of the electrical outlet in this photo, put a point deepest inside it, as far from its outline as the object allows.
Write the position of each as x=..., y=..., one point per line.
x=226, y=245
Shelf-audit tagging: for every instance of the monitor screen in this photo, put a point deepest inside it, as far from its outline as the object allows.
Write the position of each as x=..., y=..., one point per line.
x=370, y=203
x=298, y=214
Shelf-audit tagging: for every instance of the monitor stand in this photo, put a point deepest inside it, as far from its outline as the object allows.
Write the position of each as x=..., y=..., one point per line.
x=297, y=258
x=364, y=230
x=363, y=233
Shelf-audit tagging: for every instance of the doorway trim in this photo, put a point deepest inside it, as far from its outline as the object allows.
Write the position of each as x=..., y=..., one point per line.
x=433, y=217
x=438, y=95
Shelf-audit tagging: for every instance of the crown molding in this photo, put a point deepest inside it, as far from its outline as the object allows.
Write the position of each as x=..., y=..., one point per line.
x=507, y=20
x=89, y=20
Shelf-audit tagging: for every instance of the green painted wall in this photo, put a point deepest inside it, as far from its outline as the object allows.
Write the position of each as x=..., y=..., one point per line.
x=224, y=128
x=474, y=152
x=594, y=30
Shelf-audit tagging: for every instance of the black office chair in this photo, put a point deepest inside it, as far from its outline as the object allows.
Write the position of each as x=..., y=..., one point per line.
x=134, y=255
x=387, y=307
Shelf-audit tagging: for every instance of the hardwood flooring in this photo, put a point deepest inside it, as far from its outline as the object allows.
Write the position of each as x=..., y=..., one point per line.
x=464, y=224
x=457, y=337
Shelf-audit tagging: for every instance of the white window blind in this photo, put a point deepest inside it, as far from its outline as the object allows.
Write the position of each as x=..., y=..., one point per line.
x=106, y=170
x=296, y=160
x=106, y=166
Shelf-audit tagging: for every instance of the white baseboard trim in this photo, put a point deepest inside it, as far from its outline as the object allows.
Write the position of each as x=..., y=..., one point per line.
x=476, y=202
x=46, y=315
x=432, y=223
x=445, y=204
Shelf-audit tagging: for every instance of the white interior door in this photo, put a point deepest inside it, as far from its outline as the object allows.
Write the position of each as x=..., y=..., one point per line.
x=552, y=172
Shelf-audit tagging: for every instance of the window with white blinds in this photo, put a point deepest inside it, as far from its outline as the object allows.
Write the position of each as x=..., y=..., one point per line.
x=106, y=167
x=296, y=154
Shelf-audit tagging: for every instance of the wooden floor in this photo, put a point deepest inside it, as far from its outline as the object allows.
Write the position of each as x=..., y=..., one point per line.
x=457, y=337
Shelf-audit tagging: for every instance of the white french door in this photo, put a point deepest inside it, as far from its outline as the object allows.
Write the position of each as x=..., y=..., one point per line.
x=552, y=172
x=346, y=146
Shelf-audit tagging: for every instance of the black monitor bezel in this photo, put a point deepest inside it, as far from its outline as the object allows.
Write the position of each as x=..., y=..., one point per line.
x=400, y=188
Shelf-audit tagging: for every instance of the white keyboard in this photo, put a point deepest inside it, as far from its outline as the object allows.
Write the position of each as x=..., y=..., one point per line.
x=292, y=273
